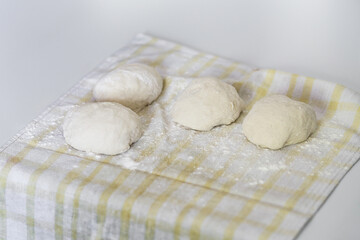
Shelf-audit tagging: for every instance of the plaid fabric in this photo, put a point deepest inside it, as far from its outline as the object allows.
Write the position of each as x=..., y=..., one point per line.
x=177, y=183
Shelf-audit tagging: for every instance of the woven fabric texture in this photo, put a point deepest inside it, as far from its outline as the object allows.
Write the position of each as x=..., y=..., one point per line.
x=176, y=183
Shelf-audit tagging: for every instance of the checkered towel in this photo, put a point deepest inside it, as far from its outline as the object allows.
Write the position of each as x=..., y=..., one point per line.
x=175, y=183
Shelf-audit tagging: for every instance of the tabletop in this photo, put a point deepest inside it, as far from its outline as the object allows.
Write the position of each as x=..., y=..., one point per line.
x=47, y=47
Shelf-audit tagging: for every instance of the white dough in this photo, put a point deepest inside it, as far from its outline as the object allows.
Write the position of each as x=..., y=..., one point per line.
x=107, y=128
x=206, y=103
x=133, y=85
x=276, y=121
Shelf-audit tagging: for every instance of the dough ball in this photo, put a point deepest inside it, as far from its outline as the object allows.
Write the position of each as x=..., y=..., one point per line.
x=276, y=121
x=107, y=128
x=206, y=103
x=133, y=85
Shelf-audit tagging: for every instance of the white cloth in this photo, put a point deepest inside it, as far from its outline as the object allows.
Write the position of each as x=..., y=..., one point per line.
x=173, y=182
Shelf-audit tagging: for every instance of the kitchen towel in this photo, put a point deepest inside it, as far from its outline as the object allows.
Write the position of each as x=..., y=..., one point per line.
x=176, y=183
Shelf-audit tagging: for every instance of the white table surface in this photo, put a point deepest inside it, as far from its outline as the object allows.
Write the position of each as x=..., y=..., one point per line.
x=47, y=46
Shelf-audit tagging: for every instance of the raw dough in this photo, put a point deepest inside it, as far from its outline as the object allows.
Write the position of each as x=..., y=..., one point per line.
x=276, y=121
x=107, y=128
x=206, y=103
x=133, y=85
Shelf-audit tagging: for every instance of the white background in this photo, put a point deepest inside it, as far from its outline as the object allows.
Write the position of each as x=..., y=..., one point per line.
x=46, y=46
